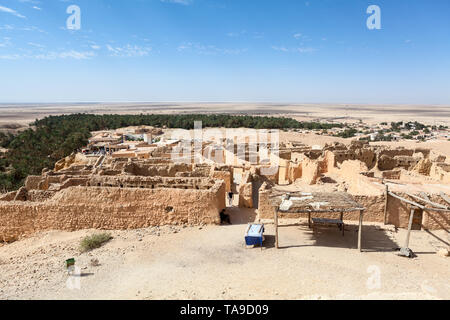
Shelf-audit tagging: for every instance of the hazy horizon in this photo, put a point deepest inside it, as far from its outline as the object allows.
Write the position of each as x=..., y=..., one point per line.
x=225, y=51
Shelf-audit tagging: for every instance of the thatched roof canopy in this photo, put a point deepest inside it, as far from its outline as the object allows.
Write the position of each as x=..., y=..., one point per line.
x=299, y=202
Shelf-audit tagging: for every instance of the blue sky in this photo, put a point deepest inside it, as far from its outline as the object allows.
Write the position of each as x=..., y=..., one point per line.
x=317, y=51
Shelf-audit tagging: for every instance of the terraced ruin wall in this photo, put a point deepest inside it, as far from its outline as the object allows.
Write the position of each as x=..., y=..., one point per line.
x=107, y=208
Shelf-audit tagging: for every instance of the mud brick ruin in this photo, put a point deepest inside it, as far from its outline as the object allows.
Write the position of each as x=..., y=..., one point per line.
x=138, y=185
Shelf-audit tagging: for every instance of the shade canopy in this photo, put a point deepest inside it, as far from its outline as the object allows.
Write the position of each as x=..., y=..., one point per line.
x=304, y=202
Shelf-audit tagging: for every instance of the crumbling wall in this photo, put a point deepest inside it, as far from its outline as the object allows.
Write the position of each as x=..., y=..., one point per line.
x=246, y=191
x=423, y=167
x=75, y=160
x=440, y=172
x=392, y=174
x=435, y=220
x=147, y=170
x=395, y=152
x=295, y=172
x=283, y=172
x=265, y=208
x=407, y=162
x=78, y=208
x=310, y=171
x=32, y=182
x=386, y=162
x=8, y=196
x=223, y=175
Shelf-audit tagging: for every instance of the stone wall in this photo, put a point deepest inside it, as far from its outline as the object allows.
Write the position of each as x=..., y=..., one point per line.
x=112, y=208
x=162, y=170
x=226, y=176
x=434, y=220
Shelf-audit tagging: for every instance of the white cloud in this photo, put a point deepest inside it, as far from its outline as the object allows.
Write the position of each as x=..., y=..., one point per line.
x=183, y=2
x=10, y=57
x=298, y=50
x=7, y=27
x=37, y=45
x=11, y=11
x=280, y=49
x=5, y=43
x=77, y=55
x=305, y=50
x=209, y=49
x=236, y=34
x=128, y=51
x=72, y=54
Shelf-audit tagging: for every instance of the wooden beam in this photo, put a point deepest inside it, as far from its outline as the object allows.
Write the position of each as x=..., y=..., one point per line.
x=425, y=196
x=361, y=217
x=276, y=229
x=445, y=197
x=407, y=201
x=440, y=206
x=411, y=218
x=386, y=195
x=436, y=209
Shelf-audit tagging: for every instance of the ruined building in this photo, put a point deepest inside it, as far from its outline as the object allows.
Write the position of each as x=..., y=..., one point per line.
x=137, y=188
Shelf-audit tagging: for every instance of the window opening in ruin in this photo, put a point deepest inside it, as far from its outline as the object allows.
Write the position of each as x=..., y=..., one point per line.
x=169, y=209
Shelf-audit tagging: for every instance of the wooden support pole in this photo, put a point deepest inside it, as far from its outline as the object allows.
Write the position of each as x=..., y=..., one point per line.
x=437, y=205
x=386, y=195
x=411, y=218
x=445, y=197
x=309, y=219
x=415, y=204
x=276, y=228
x=361, y=217
x=424, y=196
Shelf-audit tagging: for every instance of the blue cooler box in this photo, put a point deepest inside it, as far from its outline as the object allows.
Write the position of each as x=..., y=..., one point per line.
x=254, y=234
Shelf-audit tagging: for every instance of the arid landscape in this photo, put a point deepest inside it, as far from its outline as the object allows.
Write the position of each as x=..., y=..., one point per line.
x=168, y=240
x=431, y=114
x=224, y=159
x=212, y=262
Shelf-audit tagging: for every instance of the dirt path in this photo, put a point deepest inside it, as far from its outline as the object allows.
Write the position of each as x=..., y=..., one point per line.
x=213, y=263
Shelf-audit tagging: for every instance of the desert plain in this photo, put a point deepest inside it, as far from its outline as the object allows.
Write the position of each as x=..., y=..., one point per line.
x=212, y=262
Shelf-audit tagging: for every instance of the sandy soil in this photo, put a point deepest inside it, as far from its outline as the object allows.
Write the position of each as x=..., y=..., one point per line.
x=213, y=263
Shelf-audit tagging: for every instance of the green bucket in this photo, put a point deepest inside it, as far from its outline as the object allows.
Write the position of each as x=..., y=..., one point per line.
x=70, y=262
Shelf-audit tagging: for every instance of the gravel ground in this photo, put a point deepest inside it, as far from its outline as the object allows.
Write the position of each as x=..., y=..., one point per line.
x=212, y=262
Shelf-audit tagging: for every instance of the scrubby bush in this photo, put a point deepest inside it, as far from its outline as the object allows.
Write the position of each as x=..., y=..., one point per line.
x=94, y=241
